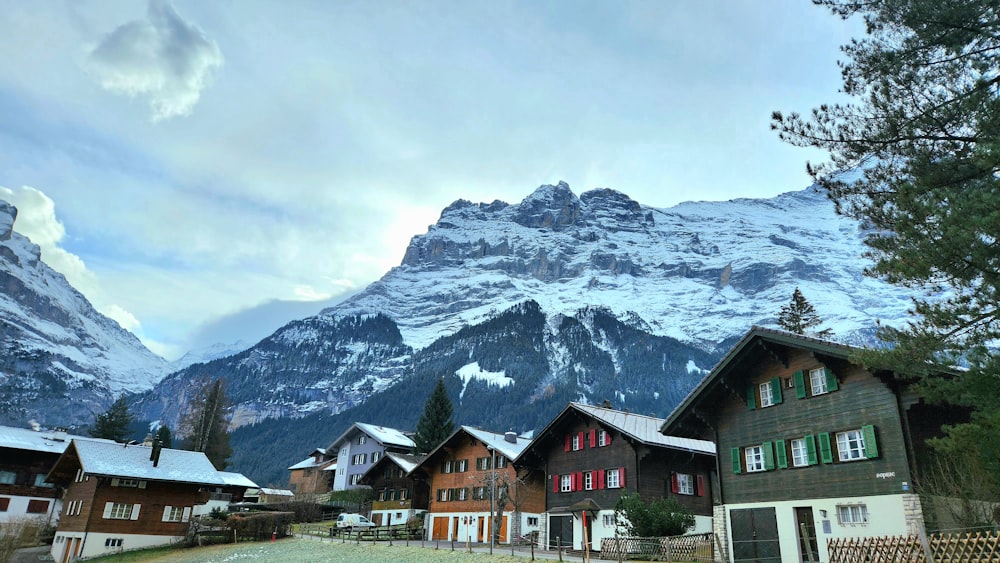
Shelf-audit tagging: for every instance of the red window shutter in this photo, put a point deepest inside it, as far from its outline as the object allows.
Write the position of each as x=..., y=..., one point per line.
x=674, y=486
x=700, y=483
x=579, y=481
x=567, y=442
x=621, y=477
x=600, y=478
x=555, y=483
x=607, y=438
x=593, y=437
x=580, y=436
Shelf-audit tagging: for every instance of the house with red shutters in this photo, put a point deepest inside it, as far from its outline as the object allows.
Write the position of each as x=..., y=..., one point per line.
x=591, y=456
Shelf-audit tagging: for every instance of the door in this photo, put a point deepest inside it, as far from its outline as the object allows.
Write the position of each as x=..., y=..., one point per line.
x=805, y=526
x=439, y=530
x=755, y=535
x=561, y=531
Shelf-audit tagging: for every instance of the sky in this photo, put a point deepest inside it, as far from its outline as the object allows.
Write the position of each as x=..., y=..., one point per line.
x=204, y=172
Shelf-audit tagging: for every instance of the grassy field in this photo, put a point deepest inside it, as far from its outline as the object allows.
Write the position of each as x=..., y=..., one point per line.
x=304, y=550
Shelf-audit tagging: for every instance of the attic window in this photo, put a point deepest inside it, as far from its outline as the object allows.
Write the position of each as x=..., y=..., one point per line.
x=362, y=439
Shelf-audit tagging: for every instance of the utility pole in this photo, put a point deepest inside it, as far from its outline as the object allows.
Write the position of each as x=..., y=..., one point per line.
x=493, y=496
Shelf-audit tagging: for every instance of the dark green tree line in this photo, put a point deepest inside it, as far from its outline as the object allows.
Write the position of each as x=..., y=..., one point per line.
x=435, y=424
x=113, y=424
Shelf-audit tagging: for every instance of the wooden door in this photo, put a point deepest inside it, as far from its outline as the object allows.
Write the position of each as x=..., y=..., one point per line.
x=439, y=531
x=755, y=535
x=805, y=526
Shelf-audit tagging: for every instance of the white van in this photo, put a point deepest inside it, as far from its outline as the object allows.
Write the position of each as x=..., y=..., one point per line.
x=353, y=521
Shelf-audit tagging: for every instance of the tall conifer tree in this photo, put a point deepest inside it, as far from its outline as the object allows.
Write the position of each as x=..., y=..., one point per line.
x=435, y=424
x=113, y=423
x=205, y=426
x=799, y=316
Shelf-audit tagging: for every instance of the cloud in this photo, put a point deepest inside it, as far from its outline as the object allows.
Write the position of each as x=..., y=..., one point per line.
x=162, y=58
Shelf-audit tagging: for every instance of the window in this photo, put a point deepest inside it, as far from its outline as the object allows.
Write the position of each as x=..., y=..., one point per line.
x=817, y=381
x=442, y=495
x=390, y=494
x=375, y=456
x=613, y=478
x=609, y=520
x=501, y=462
x=754, y=458
x=173, y=513
x=118, y=511
x=766, y=397
x=463, y=465
x=79, y=476
x=577, y=442
x=359, y=459
x=852, y=514
x=37, y=506
x=565, y=483
x=4, y=503
x=133, y=483
x=480, y=493
x=800, y=453
x=113, y=542
x=483, y=463
x=588, y=480
x=446, y=467
x=381, y=495
x=74, y=507
x=40, y=481
x=362, y=439
x=8, y=477
x=462, y=494
x=684, y=484
x=532, y=520
x=356, y=478
x=603, y=439
x=851, y=445
x=403, y=494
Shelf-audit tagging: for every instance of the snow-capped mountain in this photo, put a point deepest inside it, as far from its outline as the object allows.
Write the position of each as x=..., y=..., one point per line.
x=556, y=298
x=59, y=355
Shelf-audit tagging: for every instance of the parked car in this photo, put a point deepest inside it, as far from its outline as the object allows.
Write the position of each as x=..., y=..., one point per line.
x=353, y=522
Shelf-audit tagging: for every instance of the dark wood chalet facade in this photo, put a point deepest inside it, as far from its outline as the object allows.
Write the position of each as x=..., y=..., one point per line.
x=396, y=497
x=811, y=446
x=592, y=456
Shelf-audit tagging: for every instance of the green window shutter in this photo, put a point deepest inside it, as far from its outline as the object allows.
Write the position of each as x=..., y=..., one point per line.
x=825, y=451
x=800, y=384
x=831, y=380
x=776, y=390
x=768, y=456
x=737, y=465
x=871, y=446
x=811, y=458
x=780, y=455
x=751, y=397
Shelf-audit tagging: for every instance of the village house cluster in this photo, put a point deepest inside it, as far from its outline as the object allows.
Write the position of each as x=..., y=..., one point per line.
x=783, y=446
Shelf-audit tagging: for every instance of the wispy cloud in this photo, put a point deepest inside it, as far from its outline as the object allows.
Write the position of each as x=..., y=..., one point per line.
x=162, y=58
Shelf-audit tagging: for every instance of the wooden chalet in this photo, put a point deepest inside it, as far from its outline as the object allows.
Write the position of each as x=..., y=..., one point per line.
x=396, y=497
x=591, y=456
x=311, y=476
x=811, y=446
x=122, y=497
x=465, y=473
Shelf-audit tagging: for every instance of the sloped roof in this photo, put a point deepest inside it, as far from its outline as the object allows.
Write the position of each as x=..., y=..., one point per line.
x=132, y=462
x=755, y=334
x=39, y=441
x=645, y=429
x=307, y=463
x=383, y=434
x=276, y=492
x=406, y=462
x=236, y=479
x=498, y=441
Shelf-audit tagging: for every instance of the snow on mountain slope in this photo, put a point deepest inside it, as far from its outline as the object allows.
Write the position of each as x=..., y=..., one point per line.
x=700, y=272
x=59, y=354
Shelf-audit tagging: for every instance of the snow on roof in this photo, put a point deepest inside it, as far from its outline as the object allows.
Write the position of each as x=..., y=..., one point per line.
x=306, y=464
x=383, y=434
x=331, y=467
x=406, y=462
x=40, y=441
x=644, y=428
x=498, y=442
x=132, y=462
x=276, y=492
x=236, y=479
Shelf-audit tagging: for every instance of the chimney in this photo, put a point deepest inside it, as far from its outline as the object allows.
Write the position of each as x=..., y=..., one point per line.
x=154, y=455
x=59, y=434
x=148, y=440
x=510, y=437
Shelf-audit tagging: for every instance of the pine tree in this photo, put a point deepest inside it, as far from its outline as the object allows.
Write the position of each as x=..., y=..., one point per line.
x=923, y=137
x=205, y=426
x=113, y=423
x=165, y=437
x=799, y=316
x=435, y=424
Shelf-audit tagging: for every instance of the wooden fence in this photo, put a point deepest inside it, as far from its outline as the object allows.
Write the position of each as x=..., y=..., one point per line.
x=675, y=548
x=977, y=547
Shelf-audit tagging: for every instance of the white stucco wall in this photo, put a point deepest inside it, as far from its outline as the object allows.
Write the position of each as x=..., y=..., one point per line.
x=93, y=543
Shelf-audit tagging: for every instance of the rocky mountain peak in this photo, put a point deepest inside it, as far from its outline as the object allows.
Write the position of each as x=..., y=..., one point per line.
x=8, y=214
x=549, y=207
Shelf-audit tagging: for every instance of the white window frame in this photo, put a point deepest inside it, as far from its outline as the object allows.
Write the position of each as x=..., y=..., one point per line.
x=463, y=466
x=359, y=459
x=602, y=438
x=113, y=542
x=356, y=478
x=851, y=445
x=532, y=520
x=685, y=484
x=501, y=462
x=588, y=480
x=852, y=514
x=565, y=483
x=612, y=478
x=375, y=457
x=609, y=520
x=817, y=381
x=800, y=455
x=173, y=513
x=754, y=457
x=362, y=439
x=766, y=394
x=120, y=511
x=129, y=483
x=576, y=443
